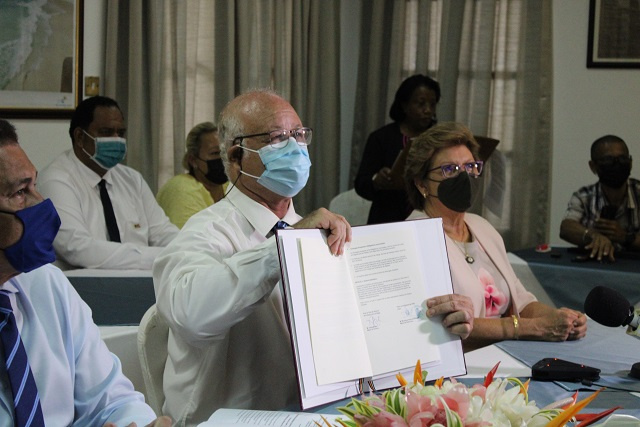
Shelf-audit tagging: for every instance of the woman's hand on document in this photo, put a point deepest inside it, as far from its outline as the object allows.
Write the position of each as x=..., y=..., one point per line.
x=457, y=312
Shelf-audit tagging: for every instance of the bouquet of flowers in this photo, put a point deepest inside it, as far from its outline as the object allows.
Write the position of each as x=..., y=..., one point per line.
x=495, y=402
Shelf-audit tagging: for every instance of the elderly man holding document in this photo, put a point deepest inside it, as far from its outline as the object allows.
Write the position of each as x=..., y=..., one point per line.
x=229, y=345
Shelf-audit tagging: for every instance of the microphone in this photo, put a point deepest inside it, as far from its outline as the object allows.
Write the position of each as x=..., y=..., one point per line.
x=610, y=308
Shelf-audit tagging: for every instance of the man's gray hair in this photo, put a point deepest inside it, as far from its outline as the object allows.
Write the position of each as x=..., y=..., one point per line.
x=231, y=125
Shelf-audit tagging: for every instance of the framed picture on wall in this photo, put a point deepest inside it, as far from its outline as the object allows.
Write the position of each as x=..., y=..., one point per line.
x=614, y=34
x=41, y=58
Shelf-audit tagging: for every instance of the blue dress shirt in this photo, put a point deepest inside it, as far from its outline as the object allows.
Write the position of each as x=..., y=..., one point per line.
x=80, y=382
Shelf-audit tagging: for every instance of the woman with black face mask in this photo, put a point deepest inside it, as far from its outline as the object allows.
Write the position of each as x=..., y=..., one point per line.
x=205, y=183
x=441, y=163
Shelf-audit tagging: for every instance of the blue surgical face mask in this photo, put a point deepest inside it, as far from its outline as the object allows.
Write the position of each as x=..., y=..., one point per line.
x=35, y=248
x=286, y=168
x=110, y=150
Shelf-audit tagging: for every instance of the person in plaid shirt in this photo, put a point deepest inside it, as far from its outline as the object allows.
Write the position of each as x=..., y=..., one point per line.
x=605, y=217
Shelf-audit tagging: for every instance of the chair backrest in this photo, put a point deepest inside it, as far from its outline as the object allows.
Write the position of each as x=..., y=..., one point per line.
x=351, y=206
x=153, y=335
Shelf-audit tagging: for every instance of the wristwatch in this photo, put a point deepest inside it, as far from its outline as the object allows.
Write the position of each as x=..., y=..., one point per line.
x=630, y=238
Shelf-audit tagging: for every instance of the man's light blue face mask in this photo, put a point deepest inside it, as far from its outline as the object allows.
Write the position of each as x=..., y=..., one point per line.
x=110, y=150
x=286, y=168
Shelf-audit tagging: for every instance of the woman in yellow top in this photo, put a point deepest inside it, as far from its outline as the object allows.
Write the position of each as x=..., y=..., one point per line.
x=205, y=183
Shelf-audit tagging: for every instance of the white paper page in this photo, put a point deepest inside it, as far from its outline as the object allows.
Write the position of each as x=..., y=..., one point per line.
x=435, y=263
x=312, y=394
x=339, y=348
x=246, y=418
x=390, y=287
x=433, y=257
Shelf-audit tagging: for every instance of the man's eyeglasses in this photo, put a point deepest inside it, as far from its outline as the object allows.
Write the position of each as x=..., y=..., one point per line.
x=610, y=160
x=278, y=138
x=474, y=169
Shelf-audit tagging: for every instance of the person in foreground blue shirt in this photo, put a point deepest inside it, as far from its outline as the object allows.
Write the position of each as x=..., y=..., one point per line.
x=79, y=382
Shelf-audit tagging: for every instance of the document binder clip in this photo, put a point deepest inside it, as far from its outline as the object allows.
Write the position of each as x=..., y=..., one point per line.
x=366, y=385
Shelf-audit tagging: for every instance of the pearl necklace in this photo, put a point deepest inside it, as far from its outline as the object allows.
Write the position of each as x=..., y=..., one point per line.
x=463, y=248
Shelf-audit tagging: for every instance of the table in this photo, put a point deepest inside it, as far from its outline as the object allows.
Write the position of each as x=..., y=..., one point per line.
x=609, y=349
x=594, y=350
x=568, y=282
x=116, y=297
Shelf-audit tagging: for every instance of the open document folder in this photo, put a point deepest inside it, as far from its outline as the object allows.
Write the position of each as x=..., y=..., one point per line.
x=360, y=317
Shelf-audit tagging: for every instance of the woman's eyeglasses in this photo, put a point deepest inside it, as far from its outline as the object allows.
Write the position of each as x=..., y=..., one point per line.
x=474, y=169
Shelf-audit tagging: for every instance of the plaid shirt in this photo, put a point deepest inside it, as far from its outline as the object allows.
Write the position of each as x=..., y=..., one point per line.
x=586, y=203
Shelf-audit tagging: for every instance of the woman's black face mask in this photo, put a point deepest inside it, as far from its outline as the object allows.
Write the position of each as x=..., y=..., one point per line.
x=455, y=193
x=215, y=172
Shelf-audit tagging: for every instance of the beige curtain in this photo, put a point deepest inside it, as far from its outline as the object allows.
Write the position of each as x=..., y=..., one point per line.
x=172, y=64
x=493, y=61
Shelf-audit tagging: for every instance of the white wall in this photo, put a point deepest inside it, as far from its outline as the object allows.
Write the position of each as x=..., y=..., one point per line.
x=587, y=103
x=43, y=140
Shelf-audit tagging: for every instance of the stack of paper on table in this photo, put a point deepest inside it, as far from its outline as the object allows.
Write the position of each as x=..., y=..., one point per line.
x=362, y=315
x=246, y=418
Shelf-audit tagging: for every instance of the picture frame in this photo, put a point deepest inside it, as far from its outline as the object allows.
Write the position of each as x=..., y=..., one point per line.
x=43, y=63
x=614, y=31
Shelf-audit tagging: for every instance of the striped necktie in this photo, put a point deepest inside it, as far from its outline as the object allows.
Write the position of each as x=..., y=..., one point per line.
x=26, y=400
x=280, y=225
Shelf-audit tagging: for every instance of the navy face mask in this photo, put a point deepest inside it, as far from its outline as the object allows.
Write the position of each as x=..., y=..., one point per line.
x=35, y=248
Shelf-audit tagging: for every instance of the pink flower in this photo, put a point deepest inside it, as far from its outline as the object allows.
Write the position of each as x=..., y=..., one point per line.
x=494, y=300
x=426, y=419
x=458, y=400
x=422, y=411
x=417, y=404
x=479, y=390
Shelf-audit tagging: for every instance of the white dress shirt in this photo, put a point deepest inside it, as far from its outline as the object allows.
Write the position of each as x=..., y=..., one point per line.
x=83, y=238
x=216, y=284
x=79, y=381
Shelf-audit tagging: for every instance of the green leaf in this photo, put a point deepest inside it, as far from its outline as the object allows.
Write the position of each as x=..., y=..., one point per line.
x=395, y=403
x=364, y=409
x=348, y=423
x=346, y=411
